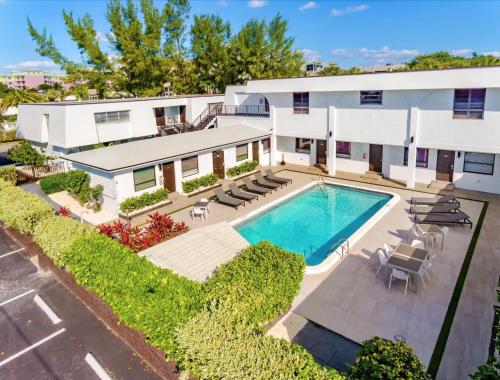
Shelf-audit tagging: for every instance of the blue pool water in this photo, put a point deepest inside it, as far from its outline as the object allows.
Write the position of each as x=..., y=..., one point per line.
x=311, y=222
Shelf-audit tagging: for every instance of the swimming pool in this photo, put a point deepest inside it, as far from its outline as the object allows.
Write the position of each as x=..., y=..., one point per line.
x=312, y=221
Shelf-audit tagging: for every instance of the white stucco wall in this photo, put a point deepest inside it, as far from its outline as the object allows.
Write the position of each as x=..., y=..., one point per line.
x=358, y=163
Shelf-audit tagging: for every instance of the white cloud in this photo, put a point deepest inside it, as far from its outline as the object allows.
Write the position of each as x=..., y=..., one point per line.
x=462, y=52
x=222, y=3
x=256, y=3
x=493, y=53
x=32, y=65
x=383, y=55
x=343, y=11
x=311, y=55
x=308, y=5
x=102, y=37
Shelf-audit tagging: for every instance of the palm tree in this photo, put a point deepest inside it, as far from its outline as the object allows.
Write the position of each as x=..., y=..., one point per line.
x=15, y=97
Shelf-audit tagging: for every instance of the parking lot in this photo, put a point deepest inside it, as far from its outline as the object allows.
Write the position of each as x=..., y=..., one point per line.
x=46, y=333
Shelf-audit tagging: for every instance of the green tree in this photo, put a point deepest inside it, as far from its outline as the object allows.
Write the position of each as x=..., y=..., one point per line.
x=210, y=44
x=330, y=69
x=15, y=97
x=24, y=152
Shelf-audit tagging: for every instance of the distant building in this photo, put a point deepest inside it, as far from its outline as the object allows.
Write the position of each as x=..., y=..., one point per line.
x=313, y=68
x=31, y=79
x=388, y=67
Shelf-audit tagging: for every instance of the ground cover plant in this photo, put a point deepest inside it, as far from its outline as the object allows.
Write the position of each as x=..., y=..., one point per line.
x=8, y=173
x=143, y=200
x=194, y=184
x=159, y=228
x=245, y=167
x=7, y=136
x=53, y=183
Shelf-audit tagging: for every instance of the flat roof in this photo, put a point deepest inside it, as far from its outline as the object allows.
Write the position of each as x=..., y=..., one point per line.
x=119, y=100
x=158, y=149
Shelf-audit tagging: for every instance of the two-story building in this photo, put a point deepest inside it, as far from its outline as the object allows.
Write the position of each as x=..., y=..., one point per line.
x=71, y=126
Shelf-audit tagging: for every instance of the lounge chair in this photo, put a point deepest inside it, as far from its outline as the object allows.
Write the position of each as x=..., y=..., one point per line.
x=252, y=187
x=440, y=208
x=435, y=200
x=264, y=182
x=451, y=218
x=227, y=200
x=238, y=193
x=272, y=177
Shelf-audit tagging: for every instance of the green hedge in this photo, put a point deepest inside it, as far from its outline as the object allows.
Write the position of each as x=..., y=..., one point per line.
x=55, y=235
x=7, y=136
x=261, y=282
x=381, y=358
x=192, y=185
x=8, y=173
x=20, y=209
x=245, y=167
x=225, y=340
x=145, y=297
x=143, y=200
x=53, y=183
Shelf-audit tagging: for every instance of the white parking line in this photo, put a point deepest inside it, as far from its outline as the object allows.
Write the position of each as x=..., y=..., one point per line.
x=11, y=253
x=97, y=367
x=29, y=348
x=47, y=310
x=16, y=297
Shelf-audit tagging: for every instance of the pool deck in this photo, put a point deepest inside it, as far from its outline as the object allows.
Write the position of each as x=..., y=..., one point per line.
x=351, y=301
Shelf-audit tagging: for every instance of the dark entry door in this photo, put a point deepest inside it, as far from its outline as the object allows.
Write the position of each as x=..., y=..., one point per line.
x=444, y=166
x=169, y=176
x=321, y=152
x=255, y=151
x=218, y=163
x=182, y=114
x=375, y=159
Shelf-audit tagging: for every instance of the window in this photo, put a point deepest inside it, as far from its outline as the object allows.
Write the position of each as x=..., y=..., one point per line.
x=189, y=166
x=241, y=152
x=343, y=149
x=370, y=97
x=481, y=163
x=112, y=117
x=266, y=145
x=144, y=178
x=301, y=102
x=422, y=157
x=469, y=103
x=303, y=145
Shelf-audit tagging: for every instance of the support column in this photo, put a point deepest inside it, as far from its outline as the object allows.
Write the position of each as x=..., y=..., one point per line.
x=274, y=154
x=331, y=161
x=412, y=148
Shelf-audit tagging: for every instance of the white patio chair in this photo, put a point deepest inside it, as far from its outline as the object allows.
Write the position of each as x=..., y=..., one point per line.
x=424, y=269
x=400, y=275
x=445, y=231
x=206, y=200
x=417, y=243
x=383, y=258
x=197, y=211
x=388, y=251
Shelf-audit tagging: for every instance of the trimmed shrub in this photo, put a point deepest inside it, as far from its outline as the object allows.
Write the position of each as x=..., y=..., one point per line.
x=218, y=345
x=7, y=136
x=206, y=180
x=143, y=200
x=245, y=167
x=260, y=283
x=20, y=209
x=76, y=181
x=381, y=358
x=55, y=235
x=145, y=297
x=8, y=173
x=53, y=183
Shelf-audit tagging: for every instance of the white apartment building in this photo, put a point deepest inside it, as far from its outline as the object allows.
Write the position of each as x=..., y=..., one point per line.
x=420, y=126
x=67, y=127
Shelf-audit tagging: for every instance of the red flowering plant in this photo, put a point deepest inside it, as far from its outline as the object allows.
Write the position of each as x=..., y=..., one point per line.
x=160, y=228
x=64, y=211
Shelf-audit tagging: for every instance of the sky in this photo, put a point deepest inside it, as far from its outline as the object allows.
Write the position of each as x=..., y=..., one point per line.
x=350, y=33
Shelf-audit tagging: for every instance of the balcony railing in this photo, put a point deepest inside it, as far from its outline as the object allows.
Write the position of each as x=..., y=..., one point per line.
x=243, y=110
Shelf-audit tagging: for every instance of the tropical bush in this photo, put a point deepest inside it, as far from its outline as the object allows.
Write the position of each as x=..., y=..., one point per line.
x=381, y=358
x=159, y=228
x=260, y=283
x=192, y=185
x=53, y=183
x=25, y=152
x=20, y=209
x=143, y=200
x=7, y=136
x=245, y=167
x=488, y=371
x=145, y=297
x=76, y=182
x=226, y=337
x=8, y=173
x=56, y=234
